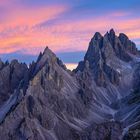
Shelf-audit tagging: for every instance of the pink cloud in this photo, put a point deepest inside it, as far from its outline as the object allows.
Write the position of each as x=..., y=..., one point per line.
x=19, y=32
x=21, y=16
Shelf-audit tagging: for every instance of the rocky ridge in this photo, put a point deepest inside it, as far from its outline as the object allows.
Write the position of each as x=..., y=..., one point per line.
x=98, y=100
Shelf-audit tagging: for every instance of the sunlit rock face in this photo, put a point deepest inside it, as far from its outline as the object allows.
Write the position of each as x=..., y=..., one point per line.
x=99, y=100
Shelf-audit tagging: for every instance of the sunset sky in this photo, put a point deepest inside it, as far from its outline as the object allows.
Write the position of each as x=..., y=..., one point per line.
x=66, y=26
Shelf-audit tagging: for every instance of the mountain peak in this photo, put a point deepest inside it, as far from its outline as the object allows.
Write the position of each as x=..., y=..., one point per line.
x=112, y=32
x=46, y=58
x=48, y=52
x=123, y=36
x=102, y=51
x=97, y=36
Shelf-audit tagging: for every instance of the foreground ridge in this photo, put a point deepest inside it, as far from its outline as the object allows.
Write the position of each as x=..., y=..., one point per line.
x=99, y=100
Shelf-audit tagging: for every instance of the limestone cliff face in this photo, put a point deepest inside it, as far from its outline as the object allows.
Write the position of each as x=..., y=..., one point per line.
x=98, y=100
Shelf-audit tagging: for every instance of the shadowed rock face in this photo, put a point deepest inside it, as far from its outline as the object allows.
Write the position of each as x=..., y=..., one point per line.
x=99, y=100
x=12, y=76
x=128, y=44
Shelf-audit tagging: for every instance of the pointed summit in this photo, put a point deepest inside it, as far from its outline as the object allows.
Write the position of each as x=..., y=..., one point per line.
x=111, y=36
x=47, y=58
x=94, y=48
x=127, y=44
x=46, y=48
x=97, y=36
x=112, y=32
x=47, y=51
x=123, y=37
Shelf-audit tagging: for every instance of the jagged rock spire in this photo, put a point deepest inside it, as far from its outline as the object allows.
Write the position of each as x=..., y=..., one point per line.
x=128, y=44
x=102, y=50
x=112, y=32
x=97, y=36
x=46, y=58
